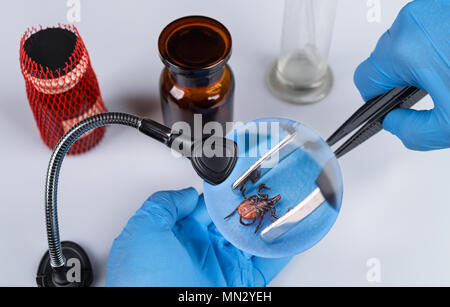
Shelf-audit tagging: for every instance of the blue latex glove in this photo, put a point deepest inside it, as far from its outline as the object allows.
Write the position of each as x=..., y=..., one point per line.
x=171, y=241
x=414, y=51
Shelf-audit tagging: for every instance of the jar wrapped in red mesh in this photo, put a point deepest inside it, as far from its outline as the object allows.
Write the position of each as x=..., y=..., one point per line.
x=61, y=85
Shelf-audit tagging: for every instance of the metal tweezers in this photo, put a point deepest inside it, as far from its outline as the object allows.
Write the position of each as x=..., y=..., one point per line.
x=370, y=118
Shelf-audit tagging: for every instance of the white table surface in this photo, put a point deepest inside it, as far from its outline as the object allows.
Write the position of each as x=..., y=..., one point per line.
x=396, y=201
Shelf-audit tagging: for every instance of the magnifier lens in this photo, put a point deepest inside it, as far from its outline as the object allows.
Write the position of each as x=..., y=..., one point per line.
x=292, y=171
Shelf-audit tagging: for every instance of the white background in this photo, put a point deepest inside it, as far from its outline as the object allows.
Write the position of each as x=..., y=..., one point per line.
x=396, y=202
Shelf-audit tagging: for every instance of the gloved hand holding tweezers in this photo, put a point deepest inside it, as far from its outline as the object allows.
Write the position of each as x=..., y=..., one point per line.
x=411, y=59
x=415, y=51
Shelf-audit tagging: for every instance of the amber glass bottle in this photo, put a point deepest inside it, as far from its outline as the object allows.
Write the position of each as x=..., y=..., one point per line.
x=196, y=79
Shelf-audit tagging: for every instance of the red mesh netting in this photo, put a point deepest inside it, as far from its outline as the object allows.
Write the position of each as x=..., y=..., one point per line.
x=61, y=85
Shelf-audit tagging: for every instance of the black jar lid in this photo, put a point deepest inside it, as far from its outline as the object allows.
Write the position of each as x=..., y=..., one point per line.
x=51, y=48
x=195, y=43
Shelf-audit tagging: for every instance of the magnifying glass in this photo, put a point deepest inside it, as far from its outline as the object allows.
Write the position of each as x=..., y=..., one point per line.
x=286, y=196
x=282, y=161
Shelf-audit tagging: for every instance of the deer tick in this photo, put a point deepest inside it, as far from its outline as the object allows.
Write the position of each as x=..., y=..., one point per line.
x=255, y=207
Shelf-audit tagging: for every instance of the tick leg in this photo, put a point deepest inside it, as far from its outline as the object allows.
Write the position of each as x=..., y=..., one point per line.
x=259, y=223
x=274, y=213
x=231, y=213
x=263, y=195
x=251, y=223
x=243, y=192
x=271, y=217
x=262, y=186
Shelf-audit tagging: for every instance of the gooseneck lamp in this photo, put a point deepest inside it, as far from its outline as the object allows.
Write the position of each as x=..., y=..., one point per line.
x=53, y=269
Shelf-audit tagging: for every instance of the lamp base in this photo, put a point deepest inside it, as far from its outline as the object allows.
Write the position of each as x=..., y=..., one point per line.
x=79, y=269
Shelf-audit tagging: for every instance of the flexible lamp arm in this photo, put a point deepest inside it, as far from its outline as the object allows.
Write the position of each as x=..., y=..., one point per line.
x=213, y=170
x=57, y=259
